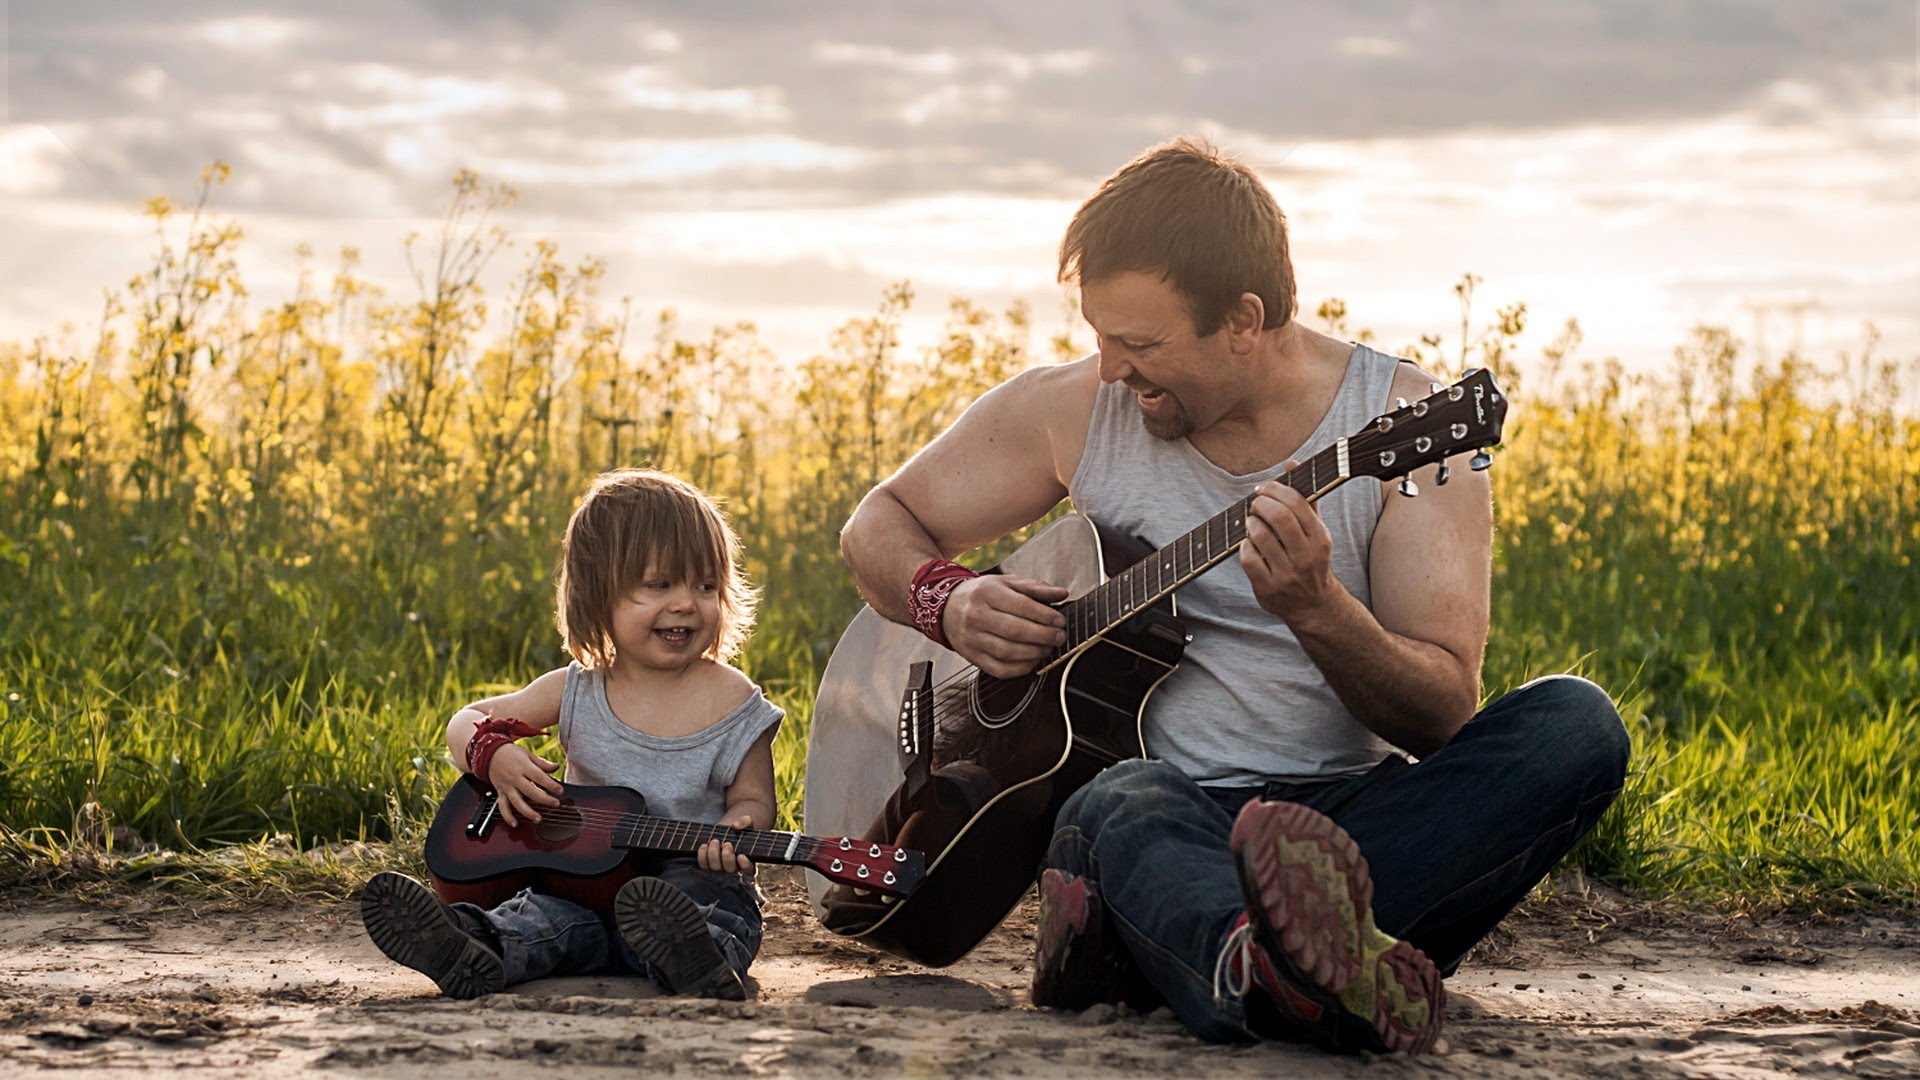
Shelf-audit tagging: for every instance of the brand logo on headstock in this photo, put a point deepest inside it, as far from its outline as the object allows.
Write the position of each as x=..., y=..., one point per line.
x=1480, y=404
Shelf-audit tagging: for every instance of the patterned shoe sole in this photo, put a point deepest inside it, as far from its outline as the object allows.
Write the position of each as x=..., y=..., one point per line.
x=1308, y=881
x=1067, y=945
x=408, y=923
x=664, y=926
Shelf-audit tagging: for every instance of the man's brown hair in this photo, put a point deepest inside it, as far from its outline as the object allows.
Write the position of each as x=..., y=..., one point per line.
x=636, y=524
x=1196, y=216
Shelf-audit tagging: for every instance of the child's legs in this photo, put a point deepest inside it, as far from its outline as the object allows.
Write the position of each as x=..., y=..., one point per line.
x=728, y=902
x=543, y=935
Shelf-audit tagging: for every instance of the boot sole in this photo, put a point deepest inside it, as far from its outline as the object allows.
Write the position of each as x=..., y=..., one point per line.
x=664, y=927
x=1308, y=882
x=407, y=923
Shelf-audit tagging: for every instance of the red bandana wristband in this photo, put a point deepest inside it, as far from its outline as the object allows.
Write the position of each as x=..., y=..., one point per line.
x=933, y=585
x=489, y=736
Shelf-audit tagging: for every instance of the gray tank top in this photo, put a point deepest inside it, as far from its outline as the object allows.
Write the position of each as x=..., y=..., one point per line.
x=683, y=777
x=1247, y=704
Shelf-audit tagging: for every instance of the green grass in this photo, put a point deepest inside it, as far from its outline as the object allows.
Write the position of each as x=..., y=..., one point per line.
x=249, y=566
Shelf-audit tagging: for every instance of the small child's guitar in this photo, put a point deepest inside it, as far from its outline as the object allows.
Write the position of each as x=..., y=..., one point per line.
x=583, y=850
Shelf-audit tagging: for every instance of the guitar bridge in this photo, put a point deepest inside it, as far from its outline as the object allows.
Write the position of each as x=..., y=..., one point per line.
x=916, y=726
x=484, y=815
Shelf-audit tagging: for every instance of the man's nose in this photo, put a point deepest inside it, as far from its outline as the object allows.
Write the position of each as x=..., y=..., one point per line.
x=1112, y=368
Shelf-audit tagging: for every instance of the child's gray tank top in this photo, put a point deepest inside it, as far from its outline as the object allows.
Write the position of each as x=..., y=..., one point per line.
x=1247, y=704
x=683, y=777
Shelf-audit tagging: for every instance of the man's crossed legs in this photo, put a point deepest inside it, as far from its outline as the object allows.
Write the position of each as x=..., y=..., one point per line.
x=1252, y=914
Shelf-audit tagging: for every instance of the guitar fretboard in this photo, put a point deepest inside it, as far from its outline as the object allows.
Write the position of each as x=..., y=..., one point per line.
x=665, y=834
x=1137, y=587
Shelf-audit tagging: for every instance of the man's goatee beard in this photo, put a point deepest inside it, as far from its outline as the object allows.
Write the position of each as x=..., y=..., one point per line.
x=1168, y=428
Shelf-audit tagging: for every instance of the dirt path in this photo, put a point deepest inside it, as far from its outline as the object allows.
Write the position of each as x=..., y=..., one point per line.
x=272, y=991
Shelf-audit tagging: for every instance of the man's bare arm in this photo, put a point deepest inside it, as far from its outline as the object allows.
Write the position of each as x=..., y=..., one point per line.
x=998, y=468
x=1410, y=668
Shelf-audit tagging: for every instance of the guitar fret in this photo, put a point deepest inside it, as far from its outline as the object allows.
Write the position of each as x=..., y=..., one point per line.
x=1186, y=556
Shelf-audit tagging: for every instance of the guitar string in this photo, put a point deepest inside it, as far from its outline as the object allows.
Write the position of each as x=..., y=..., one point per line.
x=957, y=710
x=808, y=847
x=600, y=822
x=608, y=820
x=1307, y=470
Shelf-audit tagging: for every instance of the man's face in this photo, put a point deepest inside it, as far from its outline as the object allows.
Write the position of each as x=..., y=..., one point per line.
x=1146, y=340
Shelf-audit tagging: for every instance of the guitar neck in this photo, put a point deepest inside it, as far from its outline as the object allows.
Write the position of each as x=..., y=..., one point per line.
x=1141, y=585
x=686, y=837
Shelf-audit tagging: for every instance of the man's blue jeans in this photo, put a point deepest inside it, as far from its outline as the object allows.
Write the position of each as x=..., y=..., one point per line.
x=1453, y=842
x=543, y=935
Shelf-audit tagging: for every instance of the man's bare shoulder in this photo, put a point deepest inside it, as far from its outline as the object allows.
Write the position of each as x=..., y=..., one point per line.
x=1057, y=399
x=1410, y=381
x=1059, y=385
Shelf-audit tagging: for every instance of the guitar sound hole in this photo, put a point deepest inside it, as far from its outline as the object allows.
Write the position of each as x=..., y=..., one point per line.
x=997, y=701
x=559, y=825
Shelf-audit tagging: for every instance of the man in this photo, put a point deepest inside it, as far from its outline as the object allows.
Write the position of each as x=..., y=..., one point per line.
x=1325, y=826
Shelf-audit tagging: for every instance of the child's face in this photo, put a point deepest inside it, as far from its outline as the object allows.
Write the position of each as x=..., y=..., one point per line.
x=666, y=624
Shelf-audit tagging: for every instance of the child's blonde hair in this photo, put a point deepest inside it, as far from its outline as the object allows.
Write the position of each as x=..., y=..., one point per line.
x=634, y=523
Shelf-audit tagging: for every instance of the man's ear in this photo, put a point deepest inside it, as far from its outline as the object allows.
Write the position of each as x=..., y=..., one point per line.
x=1243, y=325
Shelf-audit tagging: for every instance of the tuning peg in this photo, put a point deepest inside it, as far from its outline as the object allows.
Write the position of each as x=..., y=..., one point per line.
x=1408, y=487
x=1445, y=474
x=1470, y=373
x=1399, y=403
x=1433, y=388
x=1481, y=461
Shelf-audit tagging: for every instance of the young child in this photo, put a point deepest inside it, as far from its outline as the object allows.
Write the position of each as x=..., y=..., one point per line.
x=652, y=604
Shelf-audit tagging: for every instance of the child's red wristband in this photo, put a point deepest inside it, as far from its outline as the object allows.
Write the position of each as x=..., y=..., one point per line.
x=489, y=736
x=927, y=597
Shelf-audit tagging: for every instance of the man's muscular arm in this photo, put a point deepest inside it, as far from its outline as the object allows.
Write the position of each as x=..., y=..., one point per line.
x=995, y=470
x=1410, y=668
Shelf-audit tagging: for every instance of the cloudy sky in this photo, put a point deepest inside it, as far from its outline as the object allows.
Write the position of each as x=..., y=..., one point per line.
x=1644, y=165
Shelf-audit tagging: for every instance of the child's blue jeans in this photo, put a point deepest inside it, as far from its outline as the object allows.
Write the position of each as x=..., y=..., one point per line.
x=543, y=935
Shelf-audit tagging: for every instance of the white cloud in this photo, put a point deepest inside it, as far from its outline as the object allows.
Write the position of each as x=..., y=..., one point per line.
x=656, y=88
x=251, y=31
x=1375, y=48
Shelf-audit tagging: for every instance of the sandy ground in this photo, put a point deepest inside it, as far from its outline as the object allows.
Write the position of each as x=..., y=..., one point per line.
x=1573, y=988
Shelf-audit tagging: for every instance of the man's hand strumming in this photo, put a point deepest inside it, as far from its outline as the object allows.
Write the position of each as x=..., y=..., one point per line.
x=1005, y=625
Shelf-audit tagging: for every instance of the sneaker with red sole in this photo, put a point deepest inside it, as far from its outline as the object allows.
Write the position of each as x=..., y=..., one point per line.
x=1078, y=962
x=1309, y=943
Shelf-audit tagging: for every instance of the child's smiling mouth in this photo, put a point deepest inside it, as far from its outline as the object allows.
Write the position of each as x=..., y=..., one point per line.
x=675, y=635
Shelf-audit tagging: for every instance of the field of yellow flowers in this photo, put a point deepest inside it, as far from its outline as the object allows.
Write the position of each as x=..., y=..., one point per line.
x=250, y=559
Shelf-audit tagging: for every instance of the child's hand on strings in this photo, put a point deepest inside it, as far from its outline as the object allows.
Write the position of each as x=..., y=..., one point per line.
x=520, y=776
x=719, y=856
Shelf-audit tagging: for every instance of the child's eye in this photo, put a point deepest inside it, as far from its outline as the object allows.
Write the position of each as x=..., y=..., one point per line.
x=709, y=586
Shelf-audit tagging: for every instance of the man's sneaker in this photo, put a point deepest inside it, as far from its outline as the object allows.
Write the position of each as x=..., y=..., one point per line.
x=410, y=924
x=664, y=927
x=1308, y=939
x=1076, y=963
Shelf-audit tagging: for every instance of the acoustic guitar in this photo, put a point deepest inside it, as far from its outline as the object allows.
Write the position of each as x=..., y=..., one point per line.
x=912, y=746
x=587, y=847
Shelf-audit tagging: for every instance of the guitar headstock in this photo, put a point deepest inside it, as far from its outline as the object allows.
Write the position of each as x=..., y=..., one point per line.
x=865, y=864
x=1465, y=416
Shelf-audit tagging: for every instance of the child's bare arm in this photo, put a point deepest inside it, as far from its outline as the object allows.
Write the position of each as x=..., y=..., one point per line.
x=750, y=801
x=518, y=774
